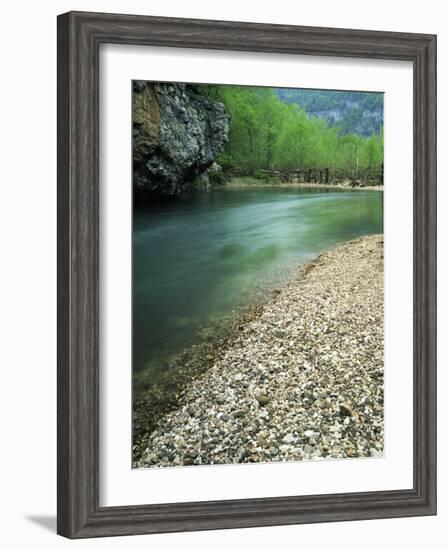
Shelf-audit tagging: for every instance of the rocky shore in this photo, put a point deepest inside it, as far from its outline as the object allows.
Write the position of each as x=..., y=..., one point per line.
x=303, y=379
x=251, y=183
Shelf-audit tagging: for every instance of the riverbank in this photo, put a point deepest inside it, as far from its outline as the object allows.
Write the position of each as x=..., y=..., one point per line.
x=251, y=182
x=303, y=379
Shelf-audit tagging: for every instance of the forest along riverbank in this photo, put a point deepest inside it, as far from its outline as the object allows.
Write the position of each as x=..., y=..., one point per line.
x=302, y=380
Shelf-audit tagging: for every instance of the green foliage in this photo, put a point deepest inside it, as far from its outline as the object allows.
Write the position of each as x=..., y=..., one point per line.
x=267, y=133
x=226, y=161
x=351, y=112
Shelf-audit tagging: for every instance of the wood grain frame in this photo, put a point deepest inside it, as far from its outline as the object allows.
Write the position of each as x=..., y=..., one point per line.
x=79, y=38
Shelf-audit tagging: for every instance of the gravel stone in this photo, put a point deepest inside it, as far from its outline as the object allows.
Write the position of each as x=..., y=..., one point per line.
x=313, y=353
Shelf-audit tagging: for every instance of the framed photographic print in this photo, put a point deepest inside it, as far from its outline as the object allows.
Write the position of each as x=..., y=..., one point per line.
x=246, y=274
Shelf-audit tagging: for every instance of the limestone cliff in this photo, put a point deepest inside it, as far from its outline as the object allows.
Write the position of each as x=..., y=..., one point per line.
x=177, y=135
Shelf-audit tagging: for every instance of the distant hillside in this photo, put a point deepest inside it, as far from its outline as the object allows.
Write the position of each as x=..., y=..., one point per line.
x=360, y=113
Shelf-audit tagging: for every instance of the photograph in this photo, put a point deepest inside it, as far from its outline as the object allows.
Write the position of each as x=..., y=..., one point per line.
x=246, y=273
x=257, y=274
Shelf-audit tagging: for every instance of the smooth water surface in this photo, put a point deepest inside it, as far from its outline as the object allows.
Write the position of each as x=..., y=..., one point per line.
x=197, y=257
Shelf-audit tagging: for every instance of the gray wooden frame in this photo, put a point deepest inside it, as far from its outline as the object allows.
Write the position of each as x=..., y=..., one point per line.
x=79, y=38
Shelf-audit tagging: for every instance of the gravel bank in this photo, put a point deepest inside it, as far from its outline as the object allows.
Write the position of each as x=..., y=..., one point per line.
x=303, y=379
x=252, y=183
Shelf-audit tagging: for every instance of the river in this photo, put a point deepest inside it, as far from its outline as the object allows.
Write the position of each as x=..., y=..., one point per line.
x=198, y=257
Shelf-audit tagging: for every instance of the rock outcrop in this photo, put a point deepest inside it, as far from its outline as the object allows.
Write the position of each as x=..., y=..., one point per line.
x=177, y=135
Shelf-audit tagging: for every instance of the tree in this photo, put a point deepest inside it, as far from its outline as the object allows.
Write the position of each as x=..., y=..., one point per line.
x=267, y=133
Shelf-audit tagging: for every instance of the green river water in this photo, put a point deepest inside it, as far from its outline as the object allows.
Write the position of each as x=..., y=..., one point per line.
x=198, y=257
